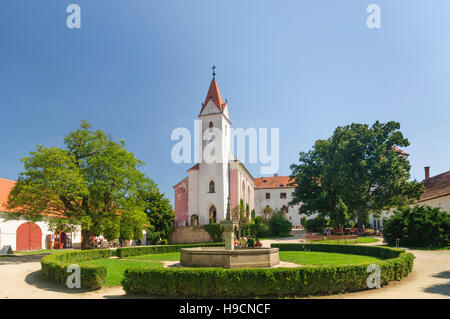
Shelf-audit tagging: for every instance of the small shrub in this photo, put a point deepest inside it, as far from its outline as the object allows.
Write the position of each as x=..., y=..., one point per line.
x=317, y=224
x=54, y=267
x=214, y=231
x=419, y=226
x=279, y=225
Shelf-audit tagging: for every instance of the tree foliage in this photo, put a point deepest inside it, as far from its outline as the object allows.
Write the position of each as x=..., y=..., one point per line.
x=159, y=211
x=359, y=165
x=92, y=182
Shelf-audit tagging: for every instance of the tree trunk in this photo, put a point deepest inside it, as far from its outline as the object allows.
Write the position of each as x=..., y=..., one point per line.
x=87, y=242
x=361, y=220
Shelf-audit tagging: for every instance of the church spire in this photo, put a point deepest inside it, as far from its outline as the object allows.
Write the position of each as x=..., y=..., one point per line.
x=214, y=94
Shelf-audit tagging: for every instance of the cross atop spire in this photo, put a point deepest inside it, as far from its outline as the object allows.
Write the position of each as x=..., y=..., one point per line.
x=214, y=71
x=214, y=94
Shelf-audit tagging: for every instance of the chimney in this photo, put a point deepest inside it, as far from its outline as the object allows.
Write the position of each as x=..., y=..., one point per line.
x=427, y=172
x=275, y=175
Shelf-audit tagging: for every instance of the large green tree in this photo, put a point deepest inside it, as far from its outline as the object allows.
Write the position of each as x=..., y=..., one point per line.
x=359, y=165
x=92, y=182
x=159, y=211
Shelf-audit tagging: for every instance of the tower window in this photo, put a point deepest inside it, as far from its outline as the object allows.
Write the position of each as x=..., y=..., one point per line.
x=212, y=187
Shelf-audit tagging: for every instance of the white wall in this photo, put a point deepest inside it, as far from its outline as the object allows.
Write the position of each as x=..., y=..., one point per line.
x=275, y=202
x=442, y=202
x=218, y=171
x=8, y=232
x=193, y=195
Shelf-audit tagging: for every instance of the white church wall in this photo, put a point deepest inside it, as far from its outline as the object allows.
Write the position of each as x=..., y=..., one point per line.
x=193, y=194
x=216, y=171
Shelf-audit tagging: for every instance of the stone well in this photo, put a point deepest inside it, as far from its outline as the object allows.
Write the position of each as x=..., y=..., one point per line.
x=236, y=258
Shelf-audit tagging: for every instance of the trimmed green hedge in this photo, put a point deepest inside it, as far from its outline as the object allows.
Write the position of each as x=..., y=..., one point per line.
x=270, y=282
x=54, y=267
x=158, y=249
x=374, y=251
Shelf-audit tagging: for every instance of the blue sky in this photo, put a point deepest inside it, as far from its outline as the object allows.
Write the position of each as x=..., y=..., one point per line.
x=138, y=69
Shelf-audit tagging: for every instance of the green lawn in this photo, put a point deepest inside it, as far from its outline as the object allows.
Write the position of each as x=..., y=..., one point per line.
x=157, y=257
x=40, y=252
x=116, y=267
x=276, y=237
x=361, y=240
x=320, y=258
x=300, y=257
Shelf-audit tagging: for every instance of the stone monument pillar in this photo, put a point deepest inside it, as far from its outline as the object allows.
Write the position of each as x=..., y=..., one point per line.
x=228, y=229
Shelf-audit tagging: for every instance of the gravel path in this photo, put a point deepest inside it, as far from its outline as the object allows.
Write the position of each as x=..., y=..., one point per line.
x=21, y=277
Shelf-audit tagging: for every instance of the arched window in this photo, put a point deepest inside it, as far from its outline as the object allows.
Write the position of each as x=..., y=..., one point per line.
x=212, y=187
x=211, y=125
x=243, y=191
x=284, y=209
x=212, y=214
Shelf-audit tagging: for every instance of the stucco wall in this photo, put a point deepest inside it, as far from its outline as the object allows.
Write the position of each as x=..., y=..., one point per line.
x=275, y=202
x=189, y=235
x=181, y=202
x=8, y=233
x=193, y=194
x=442, y=202
x=217, y=171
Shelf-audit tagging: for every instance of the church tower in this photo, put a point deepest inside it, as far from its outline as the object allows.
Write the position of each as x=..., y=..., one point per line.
x=213, y=174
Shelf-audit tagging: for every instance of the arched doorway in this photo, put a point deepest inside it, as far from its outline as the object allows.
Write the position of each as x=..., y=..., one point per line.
x=28, y=237
x=213, y=214
x=194, y=220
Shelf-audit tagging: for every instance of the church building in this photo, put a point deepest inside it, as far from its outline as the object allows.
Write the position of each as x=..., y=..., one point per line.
x=202, y=196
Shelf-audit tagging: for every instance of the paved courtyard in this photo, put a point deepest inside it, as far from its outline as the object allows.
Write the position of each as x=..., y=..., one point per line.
x=21, y=277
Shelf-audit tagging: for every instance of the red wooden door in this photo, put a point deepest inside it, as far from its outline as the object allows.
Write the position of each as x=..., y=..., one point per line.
x=28, y=237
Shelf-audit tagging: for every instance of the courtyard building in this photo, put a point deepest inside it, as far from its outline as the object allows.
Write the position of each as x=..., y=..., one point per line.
x=24, y=235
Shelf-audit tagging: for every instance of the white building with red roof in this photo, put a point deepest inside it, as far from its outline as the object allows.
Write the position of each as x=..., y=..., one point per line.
x=23, y=235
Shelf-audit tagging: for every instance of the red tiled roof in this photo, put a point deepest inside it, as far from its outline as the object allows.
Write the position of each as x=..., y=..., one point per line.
x=6, y=185
x=436, y=186
x=395, y=148
x=273, y=182
x=195, y=167
x=214, y=96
